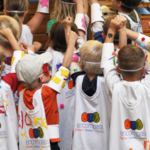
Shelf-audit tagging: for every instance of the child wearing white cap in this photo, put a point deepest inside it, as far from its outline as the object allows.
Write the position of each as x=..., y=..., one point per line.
x=38, y=110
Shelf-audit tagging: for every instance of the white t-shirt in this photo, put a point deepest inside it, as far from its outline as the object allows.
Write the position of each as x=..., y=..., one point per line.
x=67, y=98
x=8, y=119
x=26, y=35
x=91, y=119
x=130, y=113
x=33, y=128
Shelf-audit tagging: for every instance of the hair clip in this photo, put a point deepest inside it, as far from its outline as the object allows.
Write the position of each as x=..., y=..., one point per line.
x=68, y=3
x=124, y=70
x=91, y=62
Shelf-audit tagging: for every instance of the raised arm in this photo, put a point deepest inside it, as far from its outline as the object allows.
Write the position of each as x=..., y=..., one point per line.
x=110, y=73
x=80, y=18
x=141, y=39
x=122, y=32
x=71, y=38
x=7, y=33
x=97, y=20
x=35, y=22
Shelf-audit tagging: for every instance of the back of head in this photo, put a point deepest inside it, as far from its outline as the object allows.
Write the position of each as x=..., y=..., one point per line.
x=9, y=22
x=12, y=6
x=63, y=10
x=129, y=5
x=57, y=37
x=91, y=51
x=131, y=57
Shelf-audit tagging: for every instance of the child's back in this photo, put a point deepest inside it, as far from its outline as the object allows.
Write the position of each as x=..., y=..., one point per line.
x=91, y=119
x=130, y=117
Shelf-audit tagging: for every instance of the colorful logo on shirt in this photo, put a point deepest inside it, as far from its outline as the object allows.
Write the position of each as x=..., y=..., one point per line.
x=90, y=117
x=133, y=124
x=35, y=133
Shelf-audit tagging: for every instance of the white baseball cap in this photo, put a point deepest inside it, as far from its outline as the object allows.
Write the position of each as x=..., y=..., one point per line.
x=29, y=67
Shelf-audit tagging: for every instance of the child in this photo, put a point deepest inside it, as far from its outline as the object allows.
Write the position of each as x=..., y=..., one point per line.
x=130, y=122
x=45, y=118
x=66, y=98
x=91, y=118
x=8, y=85
x=64, y=8
x=127, y=9
x=18, y=10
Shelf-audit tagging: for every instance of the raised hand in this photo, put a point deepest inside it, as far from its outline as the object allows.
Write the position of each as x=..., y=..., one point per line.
x=6, y=32
x=116, y=24
x=123, y=19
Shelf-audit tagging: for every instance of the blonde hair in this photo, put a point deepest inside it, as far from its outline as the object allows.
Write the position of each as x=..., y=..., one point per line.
x=16, y=5
x=2, y=57
x=8, y=22
x=91, y=51
x=61, y=11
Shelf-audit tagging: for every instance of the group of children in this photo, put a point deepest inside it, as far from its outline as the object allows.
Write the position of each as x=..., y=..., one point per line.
x=79, y=95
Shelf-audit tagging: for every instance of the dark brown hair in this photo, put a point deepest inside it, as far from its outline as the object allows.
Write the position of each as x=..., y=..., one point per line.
x=129, y=5
x=57, y=38
x=131, y=57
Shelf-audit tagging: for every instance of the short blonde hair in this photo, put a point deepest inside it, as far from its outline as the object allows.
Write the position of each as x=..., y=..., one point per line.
x=9, y=22
x=63, y=10
x=91, y=51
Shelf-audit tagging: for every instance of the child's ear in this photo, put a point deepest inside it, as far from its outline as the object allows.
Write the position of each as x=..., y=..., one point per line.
x=117, y=69
x=119, y=3
x=81, y=65
x=104, y=36
x=143, y=70
x=41, y=79
x=25, y=13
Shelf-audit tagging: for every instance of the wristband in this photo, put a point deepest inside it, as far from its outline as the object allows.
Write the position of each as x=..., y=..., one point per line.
x=80, y=21
x=143, y=41
x=57, y=82
x=30, y=52
x=17, y=55
x=43, y=6
x=96, y=13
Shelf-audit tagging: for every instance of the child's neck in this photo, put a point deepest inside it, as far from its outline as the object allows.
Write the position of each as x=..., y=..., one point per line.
x=36, y=88
x=132, y=79
x=91, y=76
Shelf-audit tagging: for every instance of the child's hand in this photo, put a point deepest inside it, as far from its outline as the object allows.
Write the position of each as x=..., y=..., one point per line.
x=35, y=47
x=72, y=37
x=116, y=24
x=66, y=23
x=123, y=19
x=24, y=47
x=6, y=32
